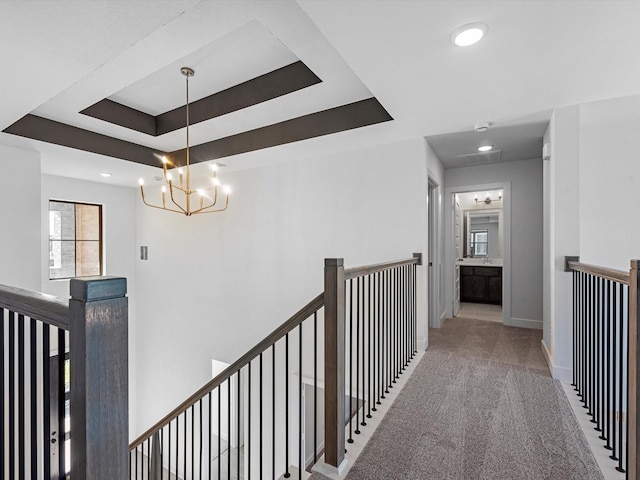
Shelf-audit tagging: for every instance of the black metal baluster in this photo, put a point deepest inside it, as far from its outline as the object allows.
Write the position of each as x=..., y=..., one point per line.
x=596, y=355
x=396, y=326
x=315, y=383
x=46, y=401
x=248, y=442
x=624, y=457
x=601, y=388
x=260, y=415
x=582, y=336
x=357, y=431
x=369, y=313
x=238, y=422
x=2, y=406
x=286, y=406
x=588, y=352
x=229, y=428
x=350, y=439
x=200, y=428
x=387, y=327
x=620, y=378
x=12, y=397
x=21, y=399
x=575, y=329
x=361, y=339
x=578, y=368
x=608, y=368
x=594, y=321
x=405, y=318
x=396, y=350
x=379, y=321
x=184, y=456
x=62, y=348
x=376, y=336
x=162, y=454
x=614, y=368
x=169, y=452
x=273, y=410
x=34, y=397
x=301, y=466
x=219, y=432
x=209, y=435
x=193, y=446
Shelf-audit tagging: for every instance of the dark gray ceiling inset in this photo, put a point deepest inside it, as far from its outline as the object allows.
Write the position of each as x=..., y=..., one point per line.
x=338, y=119
x=50, y=131
x=282, y=81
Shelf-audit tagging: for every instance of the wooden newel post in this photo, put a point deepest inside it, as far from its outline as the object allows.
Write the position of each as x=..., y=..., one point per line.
x=99, y=378
x=334, y=396
x=634, y=373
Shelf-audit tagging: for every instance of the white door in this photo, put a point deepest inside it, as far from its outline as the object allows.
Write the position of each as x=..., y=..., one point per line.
x=457, y=223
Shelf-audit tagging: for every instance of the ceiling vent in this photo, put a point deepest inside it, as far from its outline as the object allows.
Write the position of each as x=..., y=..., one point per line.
x=480, y=158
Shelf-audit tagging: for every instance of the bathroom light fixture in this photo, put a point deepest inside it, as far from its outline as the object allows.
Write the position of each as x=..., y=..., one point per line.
x=469, y=34
x=485, y=148
x=487, y=198
x=207, y=202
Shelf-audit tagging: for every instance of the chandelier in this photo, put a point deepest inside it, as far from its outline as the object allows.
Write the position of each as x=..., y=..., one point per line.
x=180, y=193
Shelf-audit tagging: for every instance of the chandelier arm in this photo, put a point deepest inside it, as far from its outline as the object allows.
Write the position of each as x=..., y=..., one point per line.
x=144, y=200
x=213, y=202
x=182, y=210
x=206, y=209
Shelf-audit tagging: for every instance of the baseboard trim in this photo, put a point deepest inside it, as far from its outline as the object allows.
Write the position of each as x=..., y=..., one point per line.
x=525, y=323
x=563, y=374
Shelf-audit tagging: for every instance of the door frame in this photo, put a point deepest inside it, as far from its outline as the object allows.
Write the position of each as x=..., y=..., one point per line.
x=434, y=253
x=506, y=244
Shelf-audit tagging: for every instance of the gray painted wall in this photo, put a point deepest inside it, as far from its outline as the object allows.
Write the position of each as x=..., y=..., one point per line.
x=526, y=227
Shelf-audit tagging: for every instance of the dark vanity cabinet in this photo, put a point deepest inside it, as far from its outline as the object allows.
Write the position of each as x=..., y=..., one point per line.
x=481, y=284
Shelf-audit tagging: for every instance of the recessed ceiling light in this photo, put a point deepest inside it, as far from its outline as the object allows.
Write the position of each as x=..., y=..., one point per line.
x=469, y=34
x=105, y=174
x=485, y=148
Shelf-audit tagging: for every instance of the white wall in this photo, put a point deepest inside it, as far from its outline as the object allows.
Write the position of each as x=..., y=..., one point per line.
x=591, y=203
x=119, y=243
x=20, y=218
x=563, y=192
x=525, y=179
x=214, y=285
x=610, y=182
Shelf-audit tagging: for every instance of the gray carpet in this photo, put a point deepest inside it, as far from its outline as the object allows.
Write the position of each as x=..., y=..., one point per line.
x=480, y=405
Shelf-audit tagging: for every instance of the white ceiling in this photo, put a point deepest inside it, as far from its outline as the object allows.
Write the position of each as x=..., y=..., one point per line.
x=60, y=57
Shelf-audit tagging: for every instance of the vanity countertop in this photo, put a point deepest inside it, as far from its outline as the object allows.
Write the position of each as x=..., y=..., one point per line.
x=479, y=262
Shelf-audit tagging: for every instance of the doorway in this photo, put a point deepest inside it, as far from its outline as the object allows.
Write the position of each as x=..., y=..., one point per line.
x=434, y=251
x=477, y=252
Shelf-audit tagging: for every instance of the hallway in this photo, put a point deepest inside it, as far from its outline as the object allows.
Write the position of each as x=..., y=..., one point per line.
x=480, y=405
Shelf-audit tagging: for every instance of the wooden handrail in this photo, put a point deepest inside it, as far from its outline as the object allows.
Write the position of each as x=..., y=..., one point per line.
x=38, y=306
x=355, y=272
x=305, y=312
x=602, y=272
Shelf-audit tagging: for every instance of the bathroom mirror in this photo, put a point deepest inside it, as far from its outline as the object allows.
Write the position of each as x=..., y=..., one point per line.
x=483, y=233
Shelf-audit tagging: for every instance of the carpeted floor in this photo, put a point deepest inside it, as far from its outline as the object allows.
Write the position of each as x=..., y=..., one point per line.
x=480, y=405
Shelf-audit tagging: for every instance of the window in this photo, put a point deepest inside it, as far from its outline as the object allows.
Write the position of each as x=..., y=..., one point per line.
x=479, y=242
x=75, y=239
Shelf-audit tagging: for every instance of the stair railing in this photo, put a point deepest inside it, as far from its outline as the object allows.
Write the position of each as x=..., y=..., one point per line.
x=606, y=357
x=261, y=417
x=54, y=354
